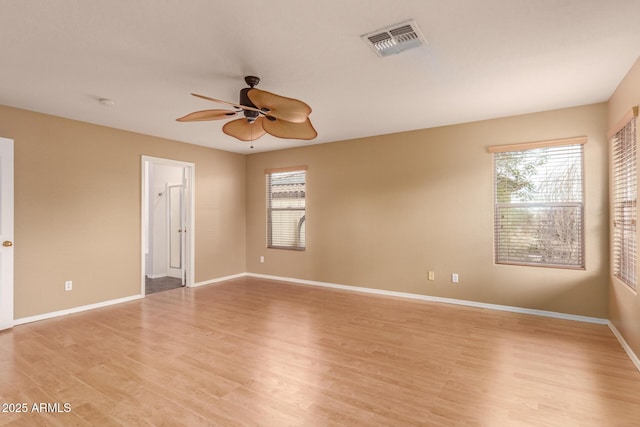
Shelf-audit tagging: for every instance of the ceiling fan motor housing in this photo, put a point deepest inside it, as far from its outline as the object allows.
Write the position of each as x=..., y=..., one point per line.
x=244, y=100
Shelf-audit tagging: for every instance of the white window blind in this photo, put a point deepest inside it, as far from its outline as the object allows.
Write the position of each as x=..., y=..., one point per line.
x=286, y=208
x=539, y=212
x=625, y=196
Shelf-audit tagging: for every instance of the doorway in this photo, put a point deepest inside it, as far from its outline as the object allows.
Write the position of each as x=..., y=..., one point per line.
x=6, y=233
x=167, y=224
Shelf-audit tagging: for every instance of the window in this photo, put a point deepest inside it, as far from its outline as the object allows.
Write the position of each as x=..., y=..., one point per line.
x=538, y=206
x=286, y=210
x=625, y=198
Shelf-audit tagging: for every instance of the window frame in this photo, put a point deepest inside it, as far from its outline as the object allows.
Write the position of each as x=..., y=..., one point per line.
x=580, y=205
x=270, y=209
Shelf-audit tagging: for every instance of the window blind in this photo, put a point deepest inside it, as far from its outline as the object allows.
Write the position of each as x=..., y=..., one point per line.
x=625, y=196
x=539, y=212
x=286, y=208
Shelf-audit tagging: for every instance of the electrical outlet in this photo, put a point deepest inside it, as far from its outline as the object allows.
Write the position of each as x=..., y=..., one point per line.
x=261, y=259
x=454, y=278
x=68, y=285
x=432, y=275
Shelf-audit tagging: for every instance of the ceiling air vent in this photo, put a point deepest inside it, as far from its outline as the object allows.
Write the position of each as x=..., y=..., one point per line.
x=395, y=39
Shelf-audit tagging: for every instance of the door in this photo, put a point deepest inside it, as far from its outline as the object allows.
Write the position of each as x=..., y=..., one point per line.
x=175, y=221
x=6, y=233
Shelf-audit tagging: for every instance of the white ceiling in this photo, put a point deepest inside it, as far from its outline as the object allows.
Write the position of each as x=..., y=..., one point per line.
x=485, y=59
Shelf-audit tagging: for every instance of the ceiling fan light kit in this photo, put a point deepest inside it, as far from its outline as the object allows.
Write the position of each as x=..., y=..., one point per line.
x=264, y=113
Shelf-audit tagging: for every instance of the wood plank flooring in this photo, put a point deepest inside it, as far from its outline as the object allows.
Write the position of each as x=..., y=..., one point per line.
x=257, y=352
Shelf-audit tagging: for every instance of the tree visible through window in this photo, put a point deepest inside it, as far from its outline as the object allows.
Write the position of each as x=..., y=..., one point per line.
x=539, y=212
x=286, y=208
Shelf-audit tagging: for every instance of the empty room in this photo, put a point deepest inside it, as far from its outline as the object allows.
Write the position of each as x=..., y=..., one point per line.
x=335, y=213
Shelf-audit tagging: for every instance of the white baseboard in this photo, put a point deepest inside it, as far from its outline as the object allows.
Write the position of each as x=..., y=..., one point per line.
x=53, y=314
x=625, y=346
x=438, y=299
x=45, y=316
x=156, y=276
x=219, y=279
x=355, y=289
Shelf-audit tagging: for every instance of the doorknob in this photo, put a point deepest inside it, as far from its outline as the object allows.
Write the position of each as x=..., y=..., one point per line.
x=7, y=243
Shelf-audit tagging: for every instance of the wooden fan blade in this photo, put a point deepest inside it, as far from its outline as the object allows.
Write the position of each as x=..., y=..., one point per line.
x=290, y=130
x=280, y=107
x=244, y=107
x=243, y=130
x=205, y=115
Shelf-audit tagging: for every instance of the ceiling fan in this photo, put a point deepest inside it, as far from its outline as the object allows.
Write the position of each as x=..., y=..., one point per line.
x=264, y=112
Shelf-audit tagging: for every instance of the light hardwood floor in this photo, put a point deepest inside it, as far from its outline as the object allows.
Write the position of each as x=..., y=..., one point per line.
x=257, y=352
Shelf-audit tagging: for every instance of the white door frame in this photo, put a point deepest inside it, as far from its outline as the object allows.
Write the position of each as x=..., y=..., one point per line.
x=189, y=219
x=6, y=233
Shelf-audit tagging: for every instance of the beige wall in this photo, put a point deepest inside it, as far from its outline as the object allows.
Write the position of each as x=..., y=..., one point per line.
x=624, y=304
x=77, y=210
x=383, y=211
